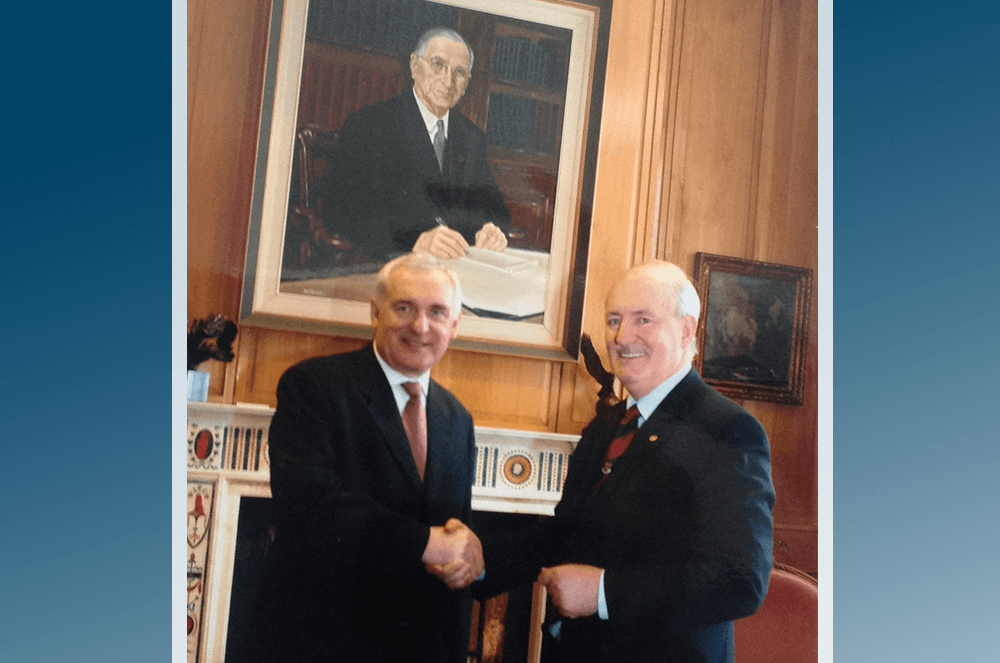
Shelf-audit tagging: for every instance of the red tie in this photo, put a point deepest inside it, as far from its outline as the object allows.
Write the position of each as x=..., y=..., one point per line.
x=629, y=424
x=415, y=423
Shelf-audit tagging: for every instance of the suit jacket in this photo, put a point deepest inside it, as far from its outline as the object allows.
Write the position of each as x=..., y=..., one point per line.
x=343, y=579
x=682, y=527
x=385, y=187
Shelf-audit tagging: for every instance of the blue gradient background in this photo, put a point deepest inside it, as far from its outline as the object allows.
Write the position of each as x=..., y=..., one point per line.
x=86, y=550
x=85, y=531
x=916, y=522
x=916, y=404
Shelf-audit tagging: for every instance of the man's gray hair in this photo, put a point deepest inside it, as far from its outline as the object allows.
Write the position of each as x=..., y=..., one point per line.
x=448, y=33
x=688, y=302
x=418, y=262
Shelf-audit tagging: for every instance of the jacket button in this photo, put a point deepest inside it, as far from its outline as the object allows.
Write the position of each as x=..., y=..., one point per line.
x=654, y=438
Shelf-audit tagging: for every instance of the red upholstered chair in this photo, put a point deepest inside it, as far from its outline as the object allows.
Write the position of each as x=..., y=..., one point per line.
x=786, y=628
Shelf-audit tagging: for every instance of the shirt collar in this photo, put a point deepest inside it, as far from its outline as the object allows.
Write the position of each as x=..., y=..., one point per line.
x=396, y=380
x=648, y=403
x=430, y=119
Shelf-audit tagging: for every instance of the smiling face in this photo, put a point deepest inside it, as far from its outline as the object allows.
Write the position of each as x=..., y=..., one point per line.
x=414, y=320
x=439, y=91
x=646, y=341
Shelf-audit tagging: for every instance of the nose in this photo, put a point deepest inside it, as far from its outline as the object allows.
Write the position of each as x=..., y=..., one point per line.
x=419, y=324
x=622, y=333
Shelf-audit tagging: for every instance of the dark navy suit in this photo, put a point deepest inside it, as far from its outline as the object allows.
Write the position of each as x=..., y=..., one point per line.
x=385, y=187
x=682, y=527
x=343, y=579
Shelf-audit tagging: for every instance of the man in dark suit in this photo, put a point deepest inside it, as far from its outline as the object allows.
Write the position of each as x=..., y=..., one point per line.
x=663, y=538
x=367, y=511
x=388, y=189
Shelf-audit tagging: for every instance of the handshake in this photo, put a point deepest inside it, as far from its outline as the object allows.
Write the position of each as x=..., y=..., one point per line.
x=454, y=554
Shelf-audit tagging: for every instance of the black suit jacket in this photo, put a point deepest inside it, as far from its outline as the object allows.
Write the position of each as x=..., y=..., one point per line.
x=384, y=186
x=343, y=579
x=682, y=527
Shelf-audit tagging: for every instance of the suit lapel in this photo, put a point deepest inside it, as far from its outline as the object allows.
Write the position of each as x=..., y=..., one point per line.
x=673, y=408
x=382, y=408
x=415, y=136
x=679, y=401
x=438, y=436
x=454, y=149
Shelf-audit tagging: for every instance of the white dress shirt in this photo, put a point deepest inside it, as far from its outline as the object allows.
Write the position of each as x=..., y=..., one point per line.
x=431, y=120
x=396, y=380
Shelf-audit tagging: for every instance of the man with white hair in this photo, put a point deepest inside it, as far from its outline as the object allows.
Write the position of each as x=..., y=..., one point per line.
x=663, y=534
x=411, y=173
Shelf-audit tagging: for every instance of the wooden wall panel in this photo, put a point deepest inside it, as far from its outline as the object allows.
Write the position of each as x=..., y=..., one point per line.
x=264, y=354
x=711, y=180
x=502, y=391
x=630, y=161
x=787, y=203
x=577, y=397
x=226, y=50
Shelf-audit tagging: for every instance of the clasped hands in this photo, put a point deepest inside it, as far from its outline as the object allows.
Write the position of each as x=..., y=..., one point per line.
x=454, y=554
x=445, y=243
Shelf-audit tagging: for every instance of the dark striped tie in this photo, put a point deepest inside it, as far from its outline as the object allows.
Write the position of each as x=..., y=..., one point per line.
x=629, y=425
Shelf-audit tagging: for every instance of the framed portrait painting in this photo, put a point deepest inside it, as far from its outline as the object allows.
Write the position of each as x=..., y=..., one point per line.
x=327, y=203
x=752, y=335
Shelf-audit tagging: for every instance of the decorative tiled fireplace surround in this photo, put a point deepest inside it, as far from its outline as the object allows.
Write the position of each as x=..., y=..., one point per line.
x=516, y=472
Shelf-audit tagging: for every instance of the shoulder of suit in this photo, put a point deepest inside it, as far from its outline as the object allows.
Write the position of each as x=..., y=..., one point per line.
x=716, y=414
x=343, y=363
x=692, y=397
x=387, y=112
x=446, y=399
x=461, y=124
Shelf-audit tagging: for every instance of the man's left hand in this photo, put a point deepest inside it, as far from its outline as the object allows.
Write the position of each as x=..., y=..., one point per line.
x=490, y=237
x=573, y=588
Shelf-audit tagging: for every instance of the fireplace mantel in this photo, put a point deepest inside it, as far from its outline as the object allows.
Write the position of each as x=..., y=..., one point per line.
x=516, y=472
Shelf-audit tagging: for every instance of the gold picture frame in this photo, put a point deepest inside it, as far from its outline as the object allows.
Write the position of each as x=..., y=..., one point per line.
x=753, y=329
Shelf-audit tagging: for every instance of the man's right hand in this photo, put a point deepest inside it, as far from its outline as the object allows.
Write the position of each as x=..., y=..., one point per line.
x=442, y=243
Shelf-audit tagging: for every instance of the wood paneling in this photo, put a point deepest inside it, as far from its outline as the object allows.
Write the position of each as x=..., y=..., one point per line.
x=226, y=49
x=502, y=391
x=708, y=143
x=743, y=182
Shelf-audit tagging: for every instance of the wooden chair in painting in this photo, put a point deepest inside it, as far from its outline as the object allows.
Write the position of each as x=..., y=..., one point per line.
x=307, y=242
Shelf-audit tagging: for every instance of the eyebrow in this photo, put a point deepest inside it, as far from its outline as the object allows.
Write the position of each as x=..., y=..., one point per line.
x=414, y=304
x=621, y=314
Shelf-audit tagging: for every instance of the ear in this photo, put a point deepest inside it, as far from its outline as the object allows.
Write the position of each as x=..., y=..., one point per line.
x=413, y=65
x=689, y=330
x=374, y=314
x=453, y=326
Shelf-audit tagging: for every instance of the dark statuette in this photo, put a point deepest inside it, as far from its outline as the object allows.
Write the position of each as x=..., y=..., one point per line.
x=210, y=338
